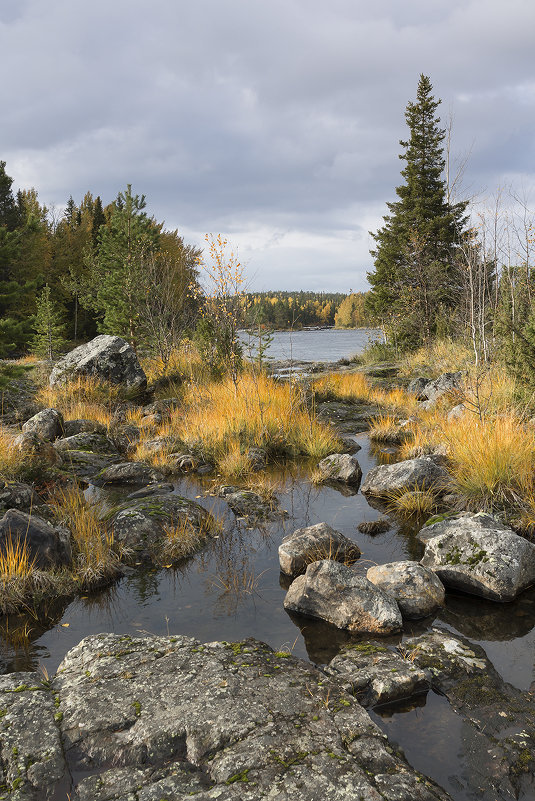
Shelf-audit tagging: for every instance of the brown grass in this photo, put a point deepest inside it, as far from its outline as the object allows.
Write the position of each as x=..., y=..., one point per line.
x=83, y=398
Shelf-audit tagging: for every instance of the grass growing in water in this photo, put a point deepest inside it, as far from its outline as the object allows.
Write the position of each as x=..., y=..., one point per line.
x=95, y=557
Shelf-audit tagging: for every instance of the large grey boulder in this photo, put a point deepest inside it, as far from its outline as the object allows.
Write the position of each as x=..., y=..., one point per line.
x=417, y=590
x=107, y=358
x=411, y=474
x=310, y=544
x=92, y=442
x=478, y=554
x=335, y=593
x=48, y=546
x=47, y=424
x=143, y=525
x=171, y=718
x=80, y=426
x=341, y=467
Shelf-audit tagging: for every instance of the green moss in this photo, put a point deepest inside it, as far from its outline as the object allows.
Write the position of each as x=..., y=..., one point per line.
x=366, y=648
x=282, y=654
x=239, y=777
x=137, y=708
x=58, y=717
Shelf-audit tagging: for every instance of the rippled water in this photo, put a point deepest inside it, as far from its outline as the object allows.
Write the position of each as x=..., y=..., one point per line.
x=323, y=345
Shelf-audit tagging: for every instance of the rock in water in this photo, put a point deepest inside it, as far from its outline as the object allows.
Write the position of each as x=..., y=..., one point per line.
x=335, y=593
x=417, y=590
x=48, y=546
x=171, y=718
x=411, y=474
x=107, y=358
x=478, y=554
x=313, y=543
x=341, y=467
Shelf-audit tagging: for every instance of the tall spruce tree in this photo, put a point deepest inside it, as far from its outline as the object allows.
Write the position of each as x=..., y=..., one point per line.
x=414, y=284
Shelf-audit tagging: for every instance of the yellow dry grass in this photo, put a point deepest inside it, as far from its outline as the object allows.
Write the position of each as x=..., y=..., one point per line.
x=83, y=398
x=442, y=356
x=221, y=420
x=355, y=388
x=15, y=562
x=12, y=462
x=95, y=557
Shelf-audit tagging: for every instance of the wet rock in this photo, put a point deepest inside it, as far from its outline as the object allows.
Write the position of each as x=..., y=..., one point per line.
x=48, y=546
x=127, y=473
x=417, y=590
x=377, y=674
x=478, y=554
x=373, y=527
x=93, y=442
x=498, y=719
x=172, y=718
x=350, y=444
x=205, y=469
x=107, y=358
x=14, y=495
x=33, y=767
x=141, y=525
x=341, y=467
x=246, y=503
x=72, y=427
x=306, y=545
x=335, y=593
x=257, y=458
x=411, y=474
x=161, y=488
x=47, y=424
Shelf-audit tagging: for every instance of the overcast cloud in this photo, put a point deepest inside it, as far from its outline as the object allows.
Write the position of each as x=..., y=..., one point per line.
x=276, y=124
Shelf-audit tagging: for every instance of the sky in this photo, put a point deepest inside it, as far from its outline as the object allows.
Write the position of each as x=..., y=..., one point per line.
x=276, y=124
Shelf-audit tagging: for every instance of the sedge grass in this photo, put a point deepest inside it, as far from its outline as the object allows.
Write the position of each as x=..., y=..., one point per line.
x=220, y=420
x=13, y=462
x=85, y=397
x=96, y=559
x=417, y=503
x=386, y=428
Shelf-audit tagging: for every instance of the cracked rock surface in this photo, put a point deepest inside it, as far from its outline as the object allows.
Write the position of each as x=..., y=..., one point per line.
x=167, y=717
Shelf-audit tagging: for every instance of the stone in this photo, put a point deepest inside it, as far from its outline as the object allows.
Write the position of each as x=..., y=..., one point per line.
x=377, y=674
x=72, y=427
x=37, y=449
x=412, y=474
x=310, y=544
x=172, y=718
x=48, y=424
x=335, y=593
x=107, y=358
x=48, y=546
x=14, y=495
x=457, y=412
x=417, y=387
x=478, y=554
x=85, y=464
x=341, y=467
x=161, y=488
x=245, y=503
x=373, y=527
x=417, y=590
x=128, y=473
x=182, y=461
x=446, y=384
x=140, y=525
x=125, y=437
x=92, y=442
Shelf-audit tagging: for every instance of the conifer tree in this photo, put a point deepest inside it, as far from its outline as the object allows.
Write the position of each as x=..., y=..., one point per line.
x=48, y=340
x=414, y=277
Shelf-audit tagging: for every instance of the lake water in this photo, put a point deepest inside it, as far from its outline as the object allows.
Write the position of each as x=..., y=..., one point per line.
x=322, y=345
x=233, y=589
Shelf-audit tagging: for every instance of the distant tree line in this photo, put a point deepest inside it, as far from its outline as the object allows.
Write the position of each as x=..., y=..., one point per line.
x=299, y=309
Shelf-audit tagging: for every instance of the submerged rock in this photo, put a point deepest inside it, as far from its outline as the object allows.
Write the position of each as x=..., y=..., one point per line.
x=417, y=590
x=341, y=467
x=373, y=527
x=478, y=554
x=169, y=718
x=107, y=358
x=47, y=546
x=411, y=474
x=306, y=545
x=335, y=593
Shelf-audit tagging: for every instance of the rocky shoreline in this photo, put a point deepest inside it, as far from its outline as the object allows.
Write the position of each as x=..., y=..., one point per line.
x=131, y=719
